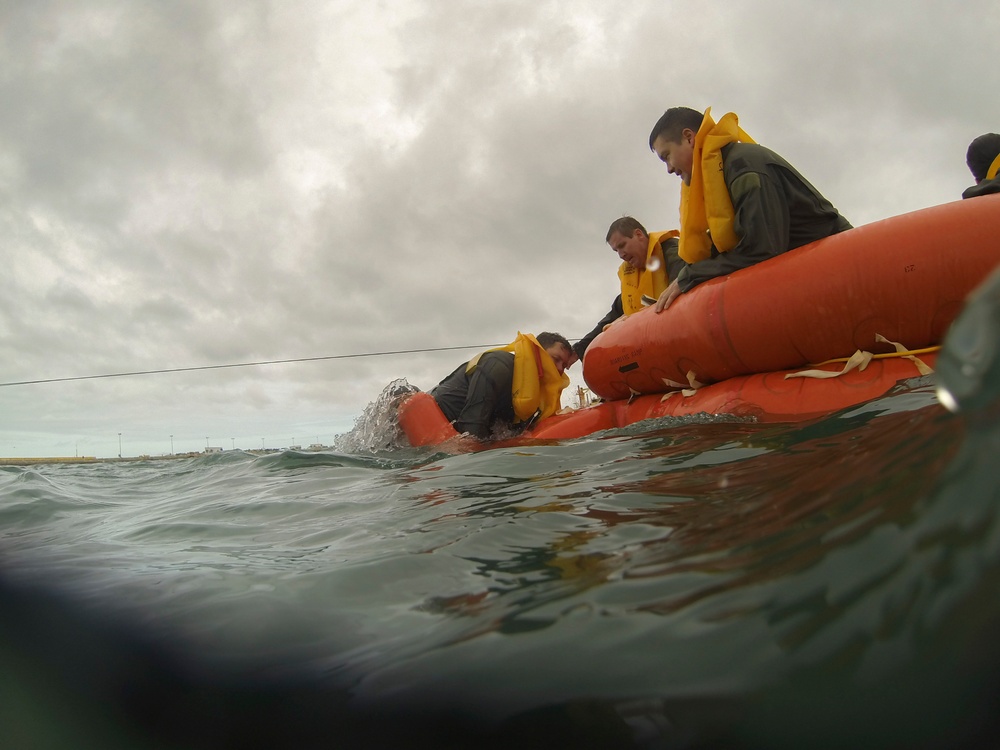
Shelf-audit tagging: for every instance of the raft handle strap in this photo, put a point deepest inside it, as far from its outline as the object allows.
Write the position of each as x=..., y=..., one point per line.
x=860, y=360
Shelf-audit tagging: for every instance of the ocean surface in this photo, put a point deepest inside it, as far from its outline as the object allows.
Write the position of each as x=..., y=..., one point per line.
x=681, y=583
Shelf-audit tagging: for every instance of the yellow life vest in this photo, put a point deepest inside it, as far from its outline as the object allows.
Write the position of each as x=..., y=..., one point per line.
x=538, y=385
x=648, y=283
x=994, y=168
x=706, y=208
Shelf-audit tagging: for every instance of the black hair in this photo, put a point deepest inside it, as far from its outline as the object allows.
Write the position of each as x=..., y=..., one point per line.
x=625, y=226
x=547, y=339
x=673, y=122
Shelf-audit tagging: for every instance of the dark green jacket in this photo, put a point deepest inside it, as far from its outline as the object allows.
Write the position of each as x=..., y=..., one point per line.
x=479, y=402
x=776, y=209
x=986, y=187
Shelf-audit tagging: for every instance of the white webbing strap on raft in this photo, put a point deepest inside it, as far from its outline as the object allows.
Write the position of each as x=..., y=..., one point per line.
x=692, y=386
x=860, y=359
x=857, y=361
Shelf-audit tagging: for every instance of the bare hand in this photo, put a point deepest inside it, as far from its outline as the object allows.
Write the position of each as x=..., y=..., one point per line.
x=668, y=295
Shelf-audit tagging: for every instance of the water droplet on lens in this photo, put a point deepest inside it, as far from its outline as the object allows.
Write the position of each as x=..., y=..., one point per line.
x=653, y=264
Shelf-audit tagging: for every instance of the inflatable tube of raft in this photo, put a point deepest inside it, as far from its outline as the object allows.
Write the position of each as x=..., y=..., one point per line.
x=904, y=277
x=422, y=420
x=767, y=397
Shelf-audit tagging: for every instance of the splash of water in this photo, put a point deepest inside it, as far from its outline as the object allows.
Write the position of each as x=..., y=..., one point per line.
x=377, y=429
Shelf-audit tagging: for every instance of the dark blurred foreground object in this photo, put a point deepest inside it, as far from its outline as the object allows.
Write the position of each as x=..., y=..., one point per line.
x=968, y=367
x=69, y=679
x=72, y=679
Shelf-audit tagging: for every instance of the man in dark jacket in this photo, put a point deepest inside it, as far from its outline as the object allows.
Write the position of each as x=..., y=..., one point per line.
x=631, y=242
x=479, y=402
x=775, y=208
x=983, y=158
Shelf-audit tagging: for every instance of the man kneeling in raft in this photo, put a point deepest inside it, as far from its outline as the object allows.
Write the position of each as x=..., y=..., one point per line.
x=507, y=388
x=741, y=203
x=649, y=262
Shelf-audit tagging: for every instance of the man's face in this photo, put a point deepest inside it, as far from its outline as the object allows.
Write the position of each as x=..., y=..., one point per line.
x=562, y=356
x=631, y=249
x=679, y=157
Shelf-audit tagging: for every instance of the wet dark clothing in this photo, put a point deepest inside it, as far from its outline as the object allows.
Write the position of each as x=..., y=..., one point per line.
x=674, y=266
x=776, y=210
x=986, y=187
x=479, y=402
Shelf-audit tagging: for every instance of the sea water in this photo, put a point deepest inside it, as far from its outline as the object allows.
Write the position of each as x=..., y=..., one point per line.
x=701, y=582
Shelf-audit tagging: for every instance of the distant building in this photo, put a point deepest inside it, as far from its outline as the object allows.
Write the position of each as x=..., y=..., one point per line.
x=213, y=449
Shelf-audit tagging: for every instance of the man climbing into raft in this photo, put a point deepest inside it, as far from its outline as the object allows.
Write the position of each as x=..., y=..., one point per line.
x=508, y=388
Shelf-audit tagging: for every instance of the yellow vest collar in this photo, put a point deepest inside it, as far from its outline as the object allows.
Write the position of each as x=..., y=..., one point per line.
x=706, y=209
x=994, y=168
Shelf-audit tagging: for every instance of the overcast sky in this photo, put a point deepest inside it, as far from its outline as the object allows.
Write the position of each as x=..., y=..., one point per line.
x=185, y=184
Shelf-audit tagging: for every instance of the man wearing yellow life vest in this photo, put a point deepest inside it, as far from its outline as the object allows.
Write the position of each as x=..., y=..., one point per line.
x=507, y=388
x=983, y=158
x=649, y=262
x=741, y=203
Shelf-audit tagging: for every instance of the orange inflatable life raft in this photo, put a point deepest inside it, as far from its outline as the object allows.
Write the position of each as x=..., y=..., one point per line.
x=743, y=338
x=904, y=278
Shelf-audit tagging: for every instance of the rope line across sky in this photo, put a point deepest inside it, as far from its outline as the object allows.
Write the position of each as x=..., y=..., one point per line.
x=245, y=364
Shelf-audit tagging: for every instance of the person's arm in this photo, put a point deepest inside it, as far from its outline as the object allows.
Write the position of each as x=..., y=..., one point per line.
x=676, y=265
x=674, y=262
x=450, y=393
x=984, y=187
x=761, y=223
x=489, y=393
x=616, y=312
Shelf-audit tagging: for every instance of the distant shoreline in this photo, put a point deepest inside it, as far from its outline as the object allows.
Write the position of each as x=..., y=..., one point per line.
x=116, y=459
